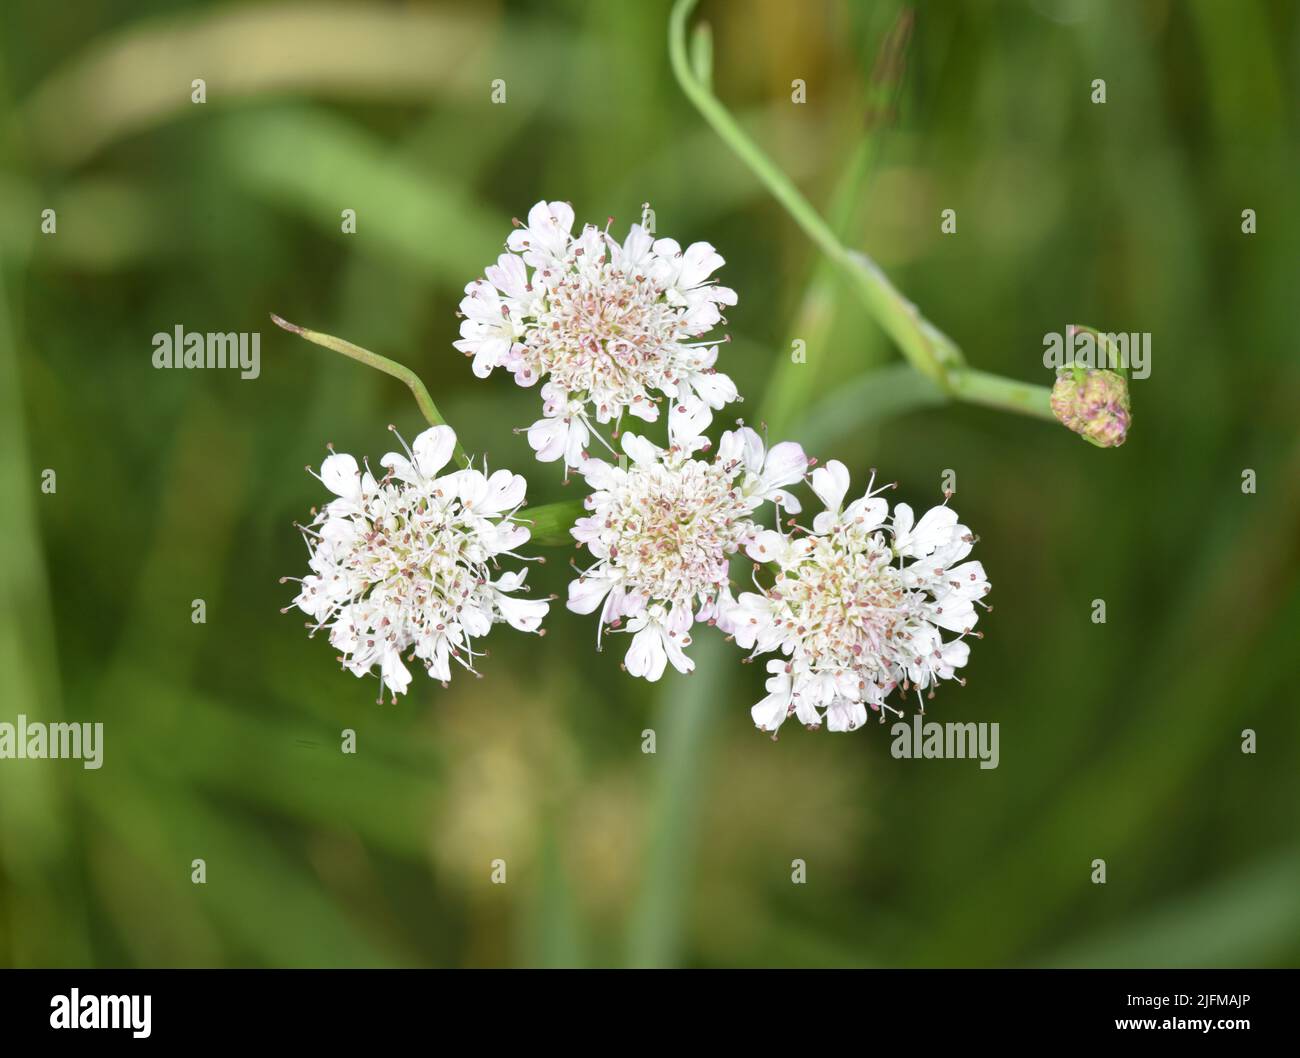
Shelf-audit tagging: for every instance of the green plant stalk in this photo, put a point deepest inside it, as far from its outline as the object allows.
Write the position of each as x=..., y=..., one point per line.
x=549, y=523
x=994, y=391
x=790, y=384
x=928, y=350
x=380, y=363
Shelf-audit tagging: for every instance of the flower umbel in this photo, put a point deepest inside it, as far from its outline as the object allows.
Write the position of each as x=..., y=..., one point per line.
x=607, y=328
x=858, y=607
x=408, y=561
x=662, y=532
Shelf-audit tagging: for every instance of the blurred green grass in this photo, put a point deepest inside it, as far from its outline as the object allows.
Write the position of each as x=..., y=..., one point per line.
x=1119, y=741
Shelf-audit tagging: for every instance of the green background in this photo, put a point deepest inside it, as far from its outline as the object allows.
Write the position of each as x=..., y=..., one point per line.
x=1119, y=741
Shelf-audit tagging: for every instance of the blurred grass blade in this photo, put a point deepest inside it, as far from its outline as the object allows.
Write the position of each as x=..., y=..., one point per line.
x=35, y=832
x=688, y=707
x=142, y=75
x=315, y=164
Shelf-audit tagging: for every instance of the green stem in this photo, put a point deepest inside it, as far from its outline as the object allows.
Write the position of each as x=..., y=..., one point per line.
x=994, y=391
x=926, y=348
x=549, y=523
x=380, y=363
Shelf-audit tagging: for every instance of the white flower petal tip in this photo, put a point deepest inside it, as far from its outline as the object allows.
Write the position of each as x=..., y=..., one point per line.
x=402, y=568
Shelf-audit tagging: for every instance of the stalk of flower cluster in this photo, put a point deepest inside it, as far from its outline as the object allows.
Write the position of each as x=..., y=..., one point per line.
x=928, y=350
x=549, y=522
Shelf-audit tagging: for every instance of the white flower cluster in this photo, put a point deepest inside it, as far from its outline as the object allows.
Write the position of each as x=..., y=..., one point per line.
x=858, y=606
x=662, y=532
x=855, y=607
x=407, y=561
x=607, y=328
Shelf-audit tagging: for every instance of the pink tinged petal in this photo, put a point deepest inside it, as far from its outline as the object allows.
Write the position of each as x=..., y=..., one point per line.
x=751, y=449
x=751, y=622
x=770, y=713
x=687, y=423
x=679, y=619
x=933, y=530
x=806, y=711
x=505, y=492
x=508, y=537
x=676, y=655
x=785, y=464
x=699, y=262
x=547, y=437
x=844, y=715
x=722, y=295
x=644, y=410
x=622, y=603
x=509, y=275
x=969, y=578
x=547, y=234
x=510, y=581
x=433, y=449
x=768, y=546
x=716, y=390
x=561, y=215
x=830, y=483
x=576, y=443
x=953, y=614
x=636, y=248
x=646, y=657
x=666, y=248
x=788, y=501
x=585, y=530
x=490, y=354
x=524, y=614
x=394, y=672
x=956, y=549
x=601, y=475
x=475, y=621
x=340, y=474
x=639, y=450
x=585, y=593
x=399, y=465
x=720, y=610
x=954, y=655
x=700, y=318
x=468, y=485
x=903, y=518
x=731, y=447
x=868, y=513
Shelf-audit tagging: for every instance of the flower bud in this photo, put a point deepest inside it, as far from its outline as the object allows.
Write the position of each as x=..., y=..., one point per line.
x=1094, y=404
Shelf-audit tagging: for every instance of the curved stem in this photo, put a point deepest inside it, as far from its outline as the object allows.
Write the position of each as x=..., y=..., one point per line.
x=549, y=523
x=380, y=363
x=926, y=348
